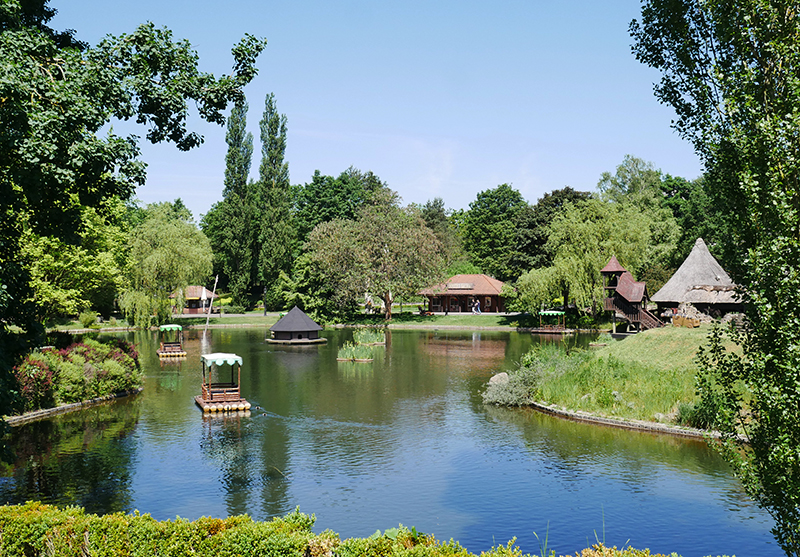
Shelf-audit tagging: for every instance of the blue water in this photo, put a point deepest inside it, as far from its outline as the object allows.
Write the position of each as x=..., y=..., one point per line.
x=405, y=439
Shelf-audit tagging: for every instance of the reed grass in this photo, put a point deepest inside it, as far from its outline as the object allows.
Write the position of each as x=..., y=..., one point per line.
x=351, y=351
x=369, y=336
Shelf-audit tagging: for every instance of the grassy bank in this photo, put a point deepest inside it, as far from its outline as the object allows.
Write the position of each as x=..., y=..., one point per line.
x=37, y=529
x=648, y=376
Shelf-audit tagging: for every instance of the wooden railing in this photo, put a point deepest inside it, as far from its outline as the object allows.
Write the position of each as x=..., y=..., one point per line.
x=632, y=313
x=221, y=392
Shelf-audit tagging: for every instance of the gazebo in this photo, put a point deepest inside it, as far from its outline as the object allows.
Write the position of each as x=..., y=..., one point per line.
x=700, y=281
x=296, y=328
x=171, y=348
x=216, y=394
x=460, y=292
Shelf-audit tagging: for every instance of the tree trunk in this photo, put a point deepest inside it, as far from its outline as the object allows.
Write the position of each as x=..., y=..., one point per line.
x=387, y=304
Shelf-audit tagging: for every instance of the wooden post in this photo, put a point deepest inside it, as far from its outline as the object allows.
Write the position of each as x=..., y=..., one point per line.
x=213, y=293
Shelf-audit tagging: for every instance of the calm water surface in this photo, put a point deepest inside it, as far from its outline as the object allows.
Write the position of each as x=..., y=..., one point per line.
x=405, y=439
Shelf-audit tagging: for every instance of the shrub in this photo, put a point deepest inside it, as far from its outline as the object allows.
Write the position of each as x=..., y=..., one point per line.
x=87, y=319
x=79, y=372
x=36, y=380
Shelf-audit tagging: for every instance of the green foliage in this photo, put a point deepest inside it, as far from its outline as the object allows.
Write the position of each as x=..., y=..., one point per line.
x=325, y=198
x=82, y=371
x=167, y=254
x=87, y=319
x=582, y=238
x=276, y=234
x=388, y=253
x=489, y=230
x=730, y=70
x=533, y=228
x=57, y=95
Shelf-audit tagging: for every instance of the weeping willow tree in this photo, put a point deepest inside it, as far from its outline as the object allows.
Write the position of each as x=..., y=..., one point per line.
x=167, y=253
x=582, y=238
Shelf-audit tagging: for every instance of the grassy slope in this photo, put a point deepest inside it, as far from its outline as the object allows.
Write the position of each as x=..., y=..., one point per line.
x=641, y=377
x=665, y=348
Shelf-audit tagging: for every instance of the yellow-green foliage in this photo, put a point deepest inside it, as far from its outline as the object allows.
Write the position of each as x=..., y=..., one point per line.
x=351, y=351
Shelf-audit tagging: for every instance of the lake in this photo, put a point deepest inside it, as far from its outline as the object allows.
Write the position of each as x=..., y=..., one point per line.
x=405, y=439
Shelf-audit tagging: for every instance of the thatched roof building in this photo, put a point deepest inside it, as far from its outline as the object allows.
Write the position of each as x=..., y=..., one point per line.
x=701, y=281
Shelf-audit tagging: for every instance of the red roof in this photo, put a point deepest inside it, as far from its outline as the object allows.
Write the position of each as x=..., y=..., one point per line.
x=630, y=289
x=472, y=285
x=613, y=266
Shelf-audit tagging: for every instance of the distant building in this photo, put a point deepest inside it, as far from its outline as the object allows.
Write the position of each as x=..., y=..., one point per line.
x=626, y=297
x=459, y=293
x=296, y=328
x=197, y=299
x=700, y=281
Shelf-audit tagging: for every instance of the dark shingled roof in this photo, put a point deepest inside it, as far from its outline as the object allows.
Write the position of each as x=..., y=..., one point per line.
x=296, y=321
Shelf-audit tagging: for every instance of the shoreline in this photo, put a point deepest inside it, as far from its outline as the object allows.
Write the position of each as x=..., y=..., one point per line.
x=35, y=415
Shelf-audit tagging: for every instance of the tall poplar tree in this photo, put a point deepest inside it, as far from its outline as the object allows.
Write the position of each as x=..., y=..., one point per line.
x=276, y=231
x=237, y=208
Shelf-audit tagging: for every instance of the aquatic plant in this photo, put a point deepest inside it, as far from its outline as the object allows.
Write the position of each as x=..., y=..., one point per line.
x=351, y=351
x=369, y=336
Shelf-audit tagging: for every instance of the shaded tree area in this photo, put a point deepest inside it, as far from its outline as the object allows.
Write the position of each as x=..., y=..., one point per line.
x=326, y=198
x=532, y=228
x=56, y=96
x=489, y=230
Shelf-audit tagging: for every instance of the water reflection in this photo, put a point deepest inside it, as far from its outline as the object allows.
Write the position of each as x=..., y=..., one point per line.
x=75, y=459
x=405, y=438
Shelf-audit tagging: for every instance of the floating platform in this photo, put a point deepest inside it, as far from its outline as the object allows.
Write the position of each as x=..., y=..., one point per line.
x=212, y=406
x=299, y=341
x=171, y=353
x=549, y=331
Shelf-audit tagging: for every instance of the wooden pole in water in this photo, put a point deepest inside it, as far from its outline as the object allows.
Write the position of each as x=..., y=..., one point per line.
x=208, y=315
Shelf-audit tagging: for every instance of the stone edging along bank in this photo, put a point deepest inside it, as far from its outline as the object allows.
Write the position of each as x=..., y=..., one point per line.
x=639, y=425
x=63, y=409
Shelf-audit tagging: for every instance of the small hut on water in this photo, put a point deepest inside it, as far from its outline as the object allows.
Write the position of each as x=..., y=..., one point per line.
x=296, y=328
x=700, y=281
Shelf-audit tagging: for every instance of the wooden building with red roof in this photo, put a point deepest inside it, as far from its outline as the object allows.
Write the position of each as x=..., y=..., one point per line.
x=459, y=292
x=626, y=297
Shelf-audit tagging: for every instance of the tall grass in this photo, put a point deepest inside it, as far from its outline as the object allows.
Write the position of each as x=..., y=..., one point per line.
x=646, y=377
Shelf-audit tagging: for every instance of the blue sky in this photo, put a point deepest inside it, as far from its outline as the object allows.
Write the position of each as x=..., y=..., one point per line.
x=438, y=98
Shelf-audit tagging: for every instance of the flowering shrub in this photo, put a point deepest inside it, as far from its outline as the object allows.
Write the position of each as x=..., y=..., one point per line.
x=79, y=372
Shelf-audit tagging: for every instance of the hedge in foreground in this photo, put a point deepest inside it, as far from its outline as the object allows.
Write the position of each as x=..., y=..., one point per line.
x=38, y=530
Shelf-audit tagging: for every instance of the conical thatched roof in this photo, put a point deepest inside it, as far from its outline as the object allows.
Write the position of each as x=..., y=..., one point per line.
x=296, y=321
x=699, y=280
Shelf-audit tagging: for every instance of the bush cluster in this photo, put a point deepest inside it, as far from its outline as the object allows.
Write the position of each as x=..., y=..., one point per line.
x=38, y=529
x=351, y=351
x=81, y=371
